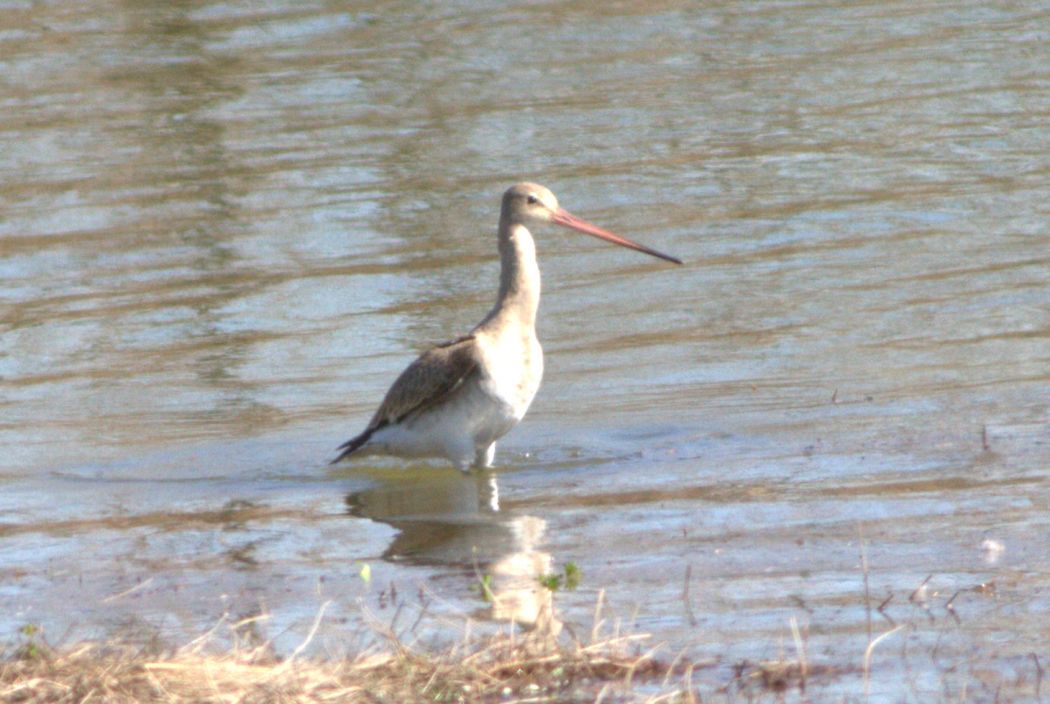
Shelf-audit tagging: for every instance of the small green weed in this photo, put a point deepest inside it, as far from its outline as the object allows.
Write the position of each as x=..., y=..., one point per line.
x=32, y=647
x=484, y=587
x=569, y=578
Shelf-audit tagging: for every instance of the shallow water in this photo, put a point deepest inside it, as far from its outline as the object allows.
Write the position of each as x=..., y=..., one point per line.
x=225, y=228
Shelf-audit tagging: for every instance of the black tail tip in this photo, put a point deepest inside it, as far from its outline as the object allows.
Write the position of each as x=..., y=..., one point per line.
x=346, y=452
x=351, y=446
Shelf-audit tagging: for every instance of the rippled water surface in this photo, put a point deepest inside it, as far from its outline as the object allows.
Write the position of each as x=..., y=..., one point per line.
x=226, y=226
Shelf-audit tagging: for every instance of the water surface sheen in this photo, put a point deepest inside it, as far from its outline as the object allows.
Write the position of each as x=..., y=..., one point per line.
x=226, y=226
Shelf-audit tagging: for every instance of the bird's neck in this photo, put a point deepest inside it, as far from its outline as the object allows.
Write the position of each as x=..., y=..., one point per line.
x=519, y=279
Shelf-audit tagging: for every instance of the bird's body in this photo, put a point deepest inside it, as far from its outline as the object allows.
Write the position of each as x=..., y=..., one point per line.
x=457, y=399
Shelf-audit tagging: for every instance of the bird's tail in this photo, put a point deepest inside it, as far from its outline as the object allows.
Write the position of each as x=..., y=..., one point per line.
x=353, y=445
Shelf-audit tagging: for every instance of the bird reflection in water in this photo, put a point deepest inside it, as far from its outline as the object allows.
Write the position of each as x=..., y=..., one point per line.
x=454, y=521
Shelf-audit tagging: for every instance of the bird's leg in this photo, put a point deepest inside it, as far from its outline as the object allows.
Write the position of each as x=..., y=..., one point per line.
x=484, y=456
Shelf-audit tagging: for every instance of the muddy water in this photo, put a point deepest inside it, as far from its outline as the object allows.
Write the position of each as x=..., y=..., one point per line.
x=224, y=228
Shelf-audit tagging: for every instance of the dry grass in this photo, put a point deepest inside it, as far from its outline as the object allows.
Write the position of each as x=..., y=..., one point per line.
x=231, y=664
x=500, y=671
x=504, y=667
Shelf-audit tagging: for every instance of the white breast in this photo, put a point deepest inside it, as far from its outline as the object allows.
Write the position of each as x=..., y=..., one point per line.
x=481, y=411
x=512, y=373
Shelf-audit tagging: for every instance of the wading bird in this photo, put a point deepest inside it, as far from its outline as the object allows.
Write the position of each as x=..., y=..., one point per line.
x=457, y=399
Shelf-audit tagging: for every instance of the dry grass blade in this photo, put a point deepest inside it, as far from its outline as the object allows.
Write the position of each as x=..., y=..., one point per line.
x=867, y=658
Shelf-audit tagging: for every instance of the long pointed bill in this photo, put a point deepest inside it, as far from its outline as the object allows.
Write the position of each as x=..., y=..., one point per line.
x=566, y=219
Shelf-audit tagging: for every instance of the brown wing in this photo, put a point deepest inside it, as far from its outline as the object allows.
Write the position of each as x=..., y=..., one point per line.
x=434, y=375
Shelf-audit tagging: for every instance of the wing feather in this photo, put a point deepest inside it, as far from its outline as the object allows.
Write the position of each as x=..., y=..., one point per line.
x=427, y=381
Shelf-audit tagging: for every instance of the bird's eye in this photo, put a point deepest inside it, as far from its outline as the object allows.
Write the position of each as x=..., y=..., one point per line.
x=532, y=200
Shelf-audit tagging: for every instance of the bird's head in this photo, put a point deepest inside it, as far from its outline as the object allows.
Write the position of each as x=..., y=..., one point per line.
x=528, y=203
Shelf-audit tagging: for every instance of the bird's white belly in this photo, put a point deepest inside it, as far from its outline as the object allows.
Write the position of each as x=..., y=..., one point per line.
x=474, y=416
x=469, y=420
